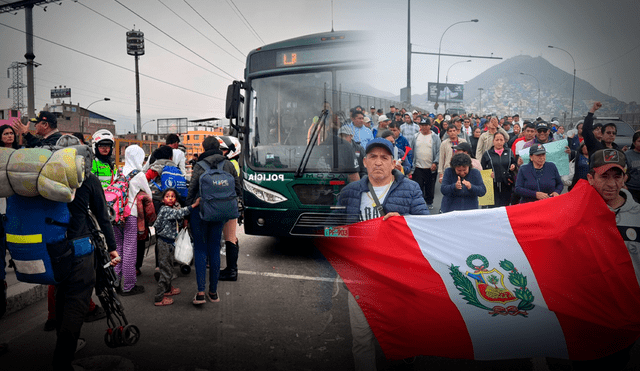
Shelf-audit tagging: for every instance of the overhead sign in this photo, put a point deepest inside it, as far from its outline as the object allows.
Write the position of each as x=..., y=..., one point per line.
x=173, y=126
x=61, y=93
x=450, y=93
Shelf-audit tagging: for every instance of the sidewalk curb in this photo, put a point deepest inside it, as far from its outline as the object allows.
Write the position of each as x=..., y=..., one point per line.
x=20, y=295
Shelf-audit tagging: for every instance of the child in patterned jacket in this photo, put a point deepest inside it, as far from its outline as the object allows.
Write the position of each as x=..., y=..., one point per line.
x=166, y=226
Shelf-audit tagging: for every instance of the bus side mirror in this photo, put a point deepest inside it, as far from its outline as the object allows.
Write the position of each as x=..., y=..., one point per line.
x=233, y=100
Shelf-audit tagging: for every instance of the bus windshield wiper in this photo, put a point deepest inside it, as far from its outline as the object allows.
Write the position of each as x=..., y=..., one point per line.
x=311, y=144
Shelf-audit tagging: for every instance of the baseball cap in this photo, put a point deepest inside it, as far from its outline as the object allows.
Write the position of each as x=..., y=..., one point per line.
x=537, y=149
x=372, y=107
x=605, y=159
x=555, y=122
x=542, y=125
x=345, y=129
x=463, y=146
x=383, y=118
x=48, y=117
x=379, y=142
x=414, y=111
x=367, y=119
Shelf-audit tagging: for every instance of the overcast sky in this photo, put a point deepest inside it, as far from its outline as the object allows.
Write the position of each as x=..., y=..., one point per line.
x=86, y=51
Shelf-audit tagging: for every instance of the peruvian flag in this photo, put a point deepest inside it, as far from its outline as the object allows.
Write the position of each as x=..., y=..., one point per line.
x=551, y=278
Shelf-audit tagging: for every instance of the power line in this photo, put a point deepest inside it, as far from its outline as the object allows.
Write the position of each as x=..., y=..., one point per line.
x=156, y=44
x=246, y=21
x=111, y=63
x=198, y=31
x=215, y=29
x=172, y=38
x=613, y=60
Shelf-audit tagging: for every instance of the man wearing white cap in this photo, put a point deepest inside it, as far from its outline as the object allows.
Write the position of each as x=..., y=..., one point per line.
x=383, y=124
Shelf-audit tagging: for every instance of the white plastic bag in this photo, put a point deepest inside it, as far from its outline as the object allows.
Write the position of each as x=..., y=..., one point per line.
x=568, y=179
x=184, y=249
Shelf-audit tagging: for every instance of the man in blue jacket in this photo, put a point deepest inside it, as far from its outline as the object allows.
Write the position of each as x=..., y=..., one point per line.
x=398, y=195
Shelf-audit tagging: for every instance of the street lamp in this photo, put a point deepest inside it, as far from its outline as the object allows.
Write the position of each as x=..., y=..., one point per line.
x=147, y=123
x=481, y=89
x=447, y=82
x=573, y=92
x=522, y=73
x=439, y=51
x=82, y=121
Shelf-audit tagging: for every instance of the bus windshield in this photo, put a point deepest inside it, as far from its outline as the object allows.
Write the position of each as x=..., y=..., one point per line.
x=286, y=113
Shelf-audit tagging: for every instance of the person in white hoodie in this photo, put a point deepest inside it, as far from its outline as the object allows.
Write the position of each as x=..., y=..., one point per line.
x=127, y=233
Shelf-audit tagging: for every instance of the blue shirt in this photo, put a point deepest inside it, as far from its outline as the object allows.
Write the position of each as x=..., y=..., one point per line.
x=361, y=135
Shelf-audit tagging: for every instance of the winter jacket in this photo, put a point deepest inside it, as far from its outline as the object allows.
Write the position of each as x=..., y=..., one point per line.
x=590, y=139
x=435, y=148
x=527, y=183
x=33, y=141
x=146, y=214
x=211, y=157
x=628, y=221
x=166, y=224
x=404, y=197
x=498, y=164
x=461, y=199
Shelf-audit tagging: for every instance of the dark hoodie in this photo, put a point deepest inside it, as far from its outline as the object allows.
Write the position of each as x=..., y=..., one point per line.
x=211, y=157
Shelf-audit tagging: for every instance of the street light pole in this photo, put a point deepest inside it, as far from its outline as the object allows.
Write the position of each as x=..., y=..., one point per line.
x=573, y=92
x=81, y=121
x=447, y=81
x=147, y=123
x=522, y=73
x=481, y=89
x=440, y=51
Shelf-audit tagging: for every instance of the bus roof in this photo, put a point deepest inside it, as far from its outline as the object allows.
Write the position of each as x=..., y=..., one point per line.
x=314, y=39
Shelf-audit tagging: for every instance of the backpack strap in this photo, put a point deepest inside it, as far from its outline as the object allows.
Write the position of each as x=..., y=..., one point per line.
x=203, y=164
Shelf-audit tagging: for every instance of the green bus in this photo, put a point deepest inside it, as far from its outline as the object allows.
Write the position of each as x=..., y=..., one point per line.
x=286, y=113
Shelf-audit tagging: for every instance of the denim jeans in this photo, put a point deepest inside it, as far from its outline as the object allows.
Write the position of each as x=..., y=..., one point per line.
x=206, y=244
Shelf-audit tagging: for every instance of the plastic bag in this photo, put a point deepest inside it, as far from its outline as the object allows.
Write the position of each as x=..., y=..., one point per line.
x=567, y=180
x=184, y=249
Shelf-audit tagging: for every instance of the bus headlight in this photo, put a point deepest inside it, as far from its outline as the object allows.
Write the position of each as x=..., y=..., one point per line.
x=263, y=193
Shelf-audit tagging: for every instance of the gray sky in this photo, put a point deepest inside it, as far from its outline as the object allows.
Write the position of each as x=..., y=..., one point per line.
x=601, y=36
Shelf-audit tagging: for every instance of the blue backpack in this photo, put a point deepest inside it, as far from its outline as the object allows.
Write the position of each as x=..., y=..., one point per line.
x=36, y=239
x=218, y=202
x=172, y=178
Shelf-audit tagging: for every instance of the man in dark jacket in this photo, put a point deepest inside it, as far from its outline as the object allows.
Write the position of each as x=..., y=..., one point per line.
x=608, y=137
x=206, y=235
x=399, y=196
x=46, y=125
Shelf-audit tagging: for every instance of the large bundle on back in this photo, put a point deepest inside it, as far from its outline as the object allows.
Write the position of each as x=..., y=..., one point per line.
x=31, y=172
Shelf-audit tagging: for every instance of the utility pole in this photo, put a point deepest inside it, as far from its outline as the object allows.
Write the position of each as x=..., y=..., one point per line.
x=135, y=47
x=409, y=52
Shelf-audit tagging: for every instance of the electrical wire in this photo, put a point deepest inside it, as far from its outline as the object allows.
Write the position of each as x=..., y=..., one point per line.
x=215, y=29
x=198, y=31
x=174, y=39
x=113, y=64
x=611, y=61
x=246, y=21
x=151, y=42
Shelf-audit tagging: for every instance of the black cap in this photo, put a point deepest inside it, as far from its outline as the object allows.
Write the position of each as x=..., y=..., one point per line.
x=537, y=149
x=463, y=146
x=542, y=125
x=48, y=117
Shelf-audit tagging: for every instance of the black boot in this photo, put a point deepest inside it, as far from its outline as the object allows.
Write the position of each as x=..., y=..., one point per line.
x=230, y=273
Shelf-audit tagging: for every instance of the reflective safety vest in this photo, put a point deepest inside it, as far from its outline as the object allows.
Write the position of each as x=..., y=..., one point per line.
x=237, y=166
x=103, y=171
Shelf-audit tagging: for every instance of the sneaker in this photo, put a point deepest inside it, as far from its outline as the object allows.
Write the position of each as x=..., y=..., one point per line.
x=50, y=325
x=134, y=291
x=430, y=207
x=199, y=299
x=96, y=314
x=81, y=344
x=213, y=297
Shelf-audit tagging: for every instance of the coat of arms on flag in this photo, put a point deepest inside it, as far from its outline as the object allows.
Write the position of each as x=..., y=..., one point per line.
x=491, y=287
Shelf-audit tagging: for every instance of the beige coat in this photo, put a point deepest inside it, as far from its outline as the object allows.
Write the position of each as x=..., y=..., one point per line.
x=446, y=152
x=485, y=142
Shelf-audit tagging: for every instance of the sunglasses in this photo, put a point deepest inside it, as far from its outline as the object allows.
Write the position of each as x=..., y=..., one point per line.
x=542, y=130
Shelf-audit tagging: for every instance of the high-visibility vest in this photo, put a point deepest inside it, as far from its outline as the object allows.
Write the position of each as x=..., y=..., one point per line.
x=103, y=171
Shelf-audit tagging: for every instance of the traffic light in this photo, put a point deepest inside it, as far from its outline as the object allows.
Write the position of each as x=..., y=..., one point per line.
x=135, y=42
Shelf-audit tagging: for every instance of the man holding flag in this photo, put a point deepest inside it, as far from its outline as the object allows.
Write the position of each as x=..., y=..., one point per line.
x=383, y=192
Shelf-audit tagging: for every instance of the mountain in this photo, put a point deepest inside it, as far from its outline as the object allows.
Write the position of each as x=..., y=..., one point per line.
x=507, y=91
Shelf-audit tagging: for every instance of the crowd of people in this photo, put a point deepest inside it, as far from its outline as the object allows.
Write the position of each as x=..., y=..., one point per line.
x=156, y=193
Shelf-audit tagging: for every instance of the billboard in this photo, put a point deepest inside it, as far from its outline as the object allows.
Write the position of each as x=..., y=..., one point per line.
x=172, y=126
x=450, y=93
x=60, y=93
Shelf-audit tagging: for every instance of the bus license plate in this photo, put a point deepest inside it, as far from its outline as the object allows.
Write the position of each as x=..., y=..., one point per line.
x=336, y=231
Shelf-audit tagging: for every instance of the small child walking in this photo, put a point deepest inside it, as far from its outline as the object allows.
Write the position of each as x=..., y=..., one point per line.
x=166, y=226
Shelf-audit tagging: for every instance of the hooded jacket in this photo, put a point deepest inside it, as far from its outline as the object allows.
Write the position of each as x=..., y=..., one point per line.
x=212, y=158
x=133, y=158
x=628, y=221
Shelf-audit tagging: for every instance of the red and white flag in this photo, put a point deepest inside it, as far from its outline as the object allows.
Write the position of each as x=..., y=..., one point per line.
x=552, y=278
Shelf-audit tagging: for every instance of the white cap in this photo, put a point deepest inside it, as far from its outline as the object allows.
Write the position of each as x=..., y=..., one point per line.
x=383, y=118
x=367, y=119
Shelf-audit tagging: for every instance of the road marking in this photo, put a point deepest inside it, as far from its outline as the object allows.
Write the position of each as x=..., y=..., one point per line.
x=291, y=276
